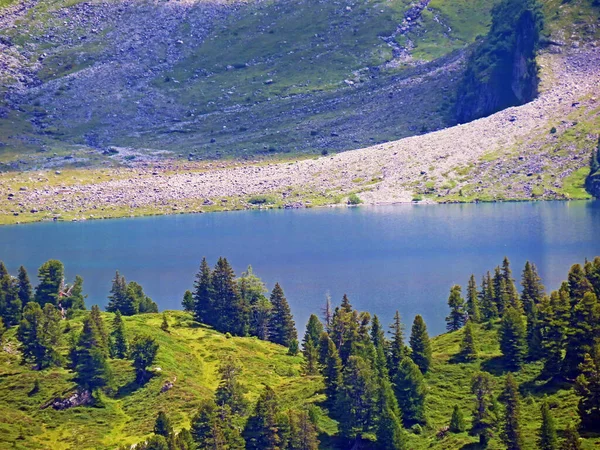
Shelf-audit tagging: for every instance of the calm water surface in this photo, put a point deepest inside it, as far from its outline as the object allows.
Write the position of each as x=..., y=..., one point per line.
x=385, y=258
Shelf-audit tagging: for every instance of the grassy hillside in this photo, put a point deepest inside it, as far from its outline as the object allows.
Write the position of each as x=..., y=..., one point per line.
x=192, y=354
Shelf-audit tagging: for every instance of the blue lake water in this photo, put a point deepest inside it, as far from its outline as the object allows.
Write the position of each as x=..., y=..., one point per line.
x=402, y=257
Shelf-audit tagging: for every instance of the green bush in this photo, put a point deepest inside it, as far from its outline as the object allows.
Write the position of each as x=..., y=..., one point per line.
x=261, y=200
x=354, y=199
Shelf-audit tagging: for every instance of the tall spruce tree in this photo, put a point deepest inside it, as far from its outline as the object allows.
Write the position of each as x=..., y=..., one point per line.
x=231, y=392
x=501, y=298
x=214, y=427
x=262, y=431
x=282, y=327
x=555, y=316
x=390, y=435
x=302, y=432
x=587, y=387
x=583, y=334
x=533, y=290
x=483, y=416
x=314, y=328
x=75, y=300
x=547, y=439
x=410, y=391
x=397, y=348
x=232, y=315
x=511, y=430
x=512, y=295
x=90, y=362
x=96, y=316
x=457, y=421
x=143, y=351
x=512, y=336
x=420, y=344
x=119, y=299
x=162, y=425
x=188, y=301
x=10, y=302
x=489, y=308
x=579, y=285
x=50, y=275
x=468, y=347
x=204, y=310
x=118, y=338
x=327, y=312
x=332, y=371
x=25, y=289
x=311, y=358
x=39, y=333
x=473, y=308
x=456, y=318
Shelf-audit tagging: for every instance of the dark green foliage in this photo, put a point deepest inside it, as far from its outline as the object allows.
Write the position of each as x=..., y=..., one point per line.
x=410, y=390
x=356, y=398
x=587, y=387
x=332, y=371
x=203, y=307
x=293, y=348
x=262, y=431
x=96, y=317
x=165, y=323
x=511, y=430
x=90, y=357
x=314, y=328
x=571, y=441
x=533, y=290
x=118, y=338
x=155, y=443
x=281, y=324
x=397, y=349
x=184, y=440
x=119, y=299
x=390, y=435
x=25, y=289
x=548, y=439
x=213, y=427
x=50, y=275
x=162, y=425
x=512, y=295
x=140, y=301
x=555, y=317
x=230, y=392
x=143, y=353
x=456, y=318
x=2, y=330
x=592, y=272
x=579, y=285
x=188, y=301
x=512, y=336
x=457, y=421
x=583, y=333
x=468, y=347
x=473, y=309
x=420, y=345
x=39, y=334
x=489, y=308
x=484, y=421
x=302, y=433
x=493, y=79
x=75, y=300
x=10, y=301
x=311, y=358
x=230, y=311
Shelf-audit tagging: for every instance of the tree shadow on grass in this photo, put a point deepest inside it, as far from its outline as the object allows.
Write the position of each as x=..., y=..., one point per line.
x=541, y=386
x=473, y=446
x=132, y=386
x=496, y=366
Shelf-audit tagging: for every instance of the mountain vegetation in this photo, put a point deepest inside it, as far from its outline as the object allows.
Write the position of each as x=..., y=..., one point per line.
x=107, y=380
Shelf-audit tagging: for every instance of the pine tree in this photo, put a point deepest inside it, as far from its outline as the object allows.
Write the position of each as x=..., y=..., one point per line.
x=501, y=298
x=583, y=334
x=314, y=328
x=456, y=318
x=156, y=443
x=213, y=427
x=143, y=353
x=10, y=302
x=511, y=431
x=118, y=338
x=487, y=296
x=232, y=315
x=302, y=434
x=332, y=372
x=420, y=345
x=204, y=310
x=96, y=317
x=468, y=348
x=51, y=275
x=512, y=294
x=162, y=425
x=483, y=417
x=548, y=439
x=188, y=301
x=587, y=387
x=533, y=290
x=410, y=391
x=555, y=316
x=119, y=300
x=512, y=336
x=262, y=429
x=473, y=309
x=592, y=272
x=457, y=422
x=39, y=334
x=25, y=289
x=165, y=323
x=397, y=349
x=572, y=440
x=579, y=285
x=230, y=392
x=282, y=327
x=184, y=440
x=75, y=300
x=390, y=435
x=327, y=312
x=311, y=358
x=90, y=362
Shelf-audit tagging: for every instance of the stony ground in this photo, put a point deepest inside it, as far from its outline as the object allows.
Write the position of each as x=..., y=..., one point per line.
x=513, y=154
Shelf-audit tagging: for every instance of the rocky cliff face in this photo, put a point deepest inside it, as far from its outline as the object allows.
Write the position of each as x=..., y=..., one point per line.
x=502, y=72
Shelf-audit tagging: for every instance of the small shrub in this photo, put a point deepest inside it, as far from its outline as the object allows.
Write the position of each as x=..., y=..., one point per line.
x=553, y=130
x=354, y=199
x=260, y=200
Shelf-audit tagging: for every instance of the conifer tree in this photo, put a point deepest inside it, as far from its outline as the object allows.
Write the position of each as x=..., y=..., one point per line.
x=204, y=310
x=390, y=435
x=587, y=387
x=184, y=440
x=282, y=327
x=456, y=318
x=511, y=431
x=311, y=358
x=572, y=440
x=457, y=421
x=533, y=290
x=143, y=353
x=10, y=302
x=230, y=392
x=483, y=416
x=301, y=434
x=75, y=300
x=501, y=298
x=232, y=315
x=213, y=427
x=314, y=328
x=162, y=425
x=410, y=390
x=262, y=431
x=489, y=309
x=96, y=317
x=39, y=334
x=155, y=443
x=583, y=333
x=512, y=334
x=592, y=272
x=119, y=298
x=118, y=338
x=2, y=330
x=51, y=275
x=555, y=317
x=188, y=301
x=332, y=372
x=579, y=285
x=327, y=312
x=25, y=289
x=420, y=344
x=512, y=295
x=165, y=323
x=397, y=349
x=468, y=347
x=90, y=362
x=473, y=308
x=548, y=439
